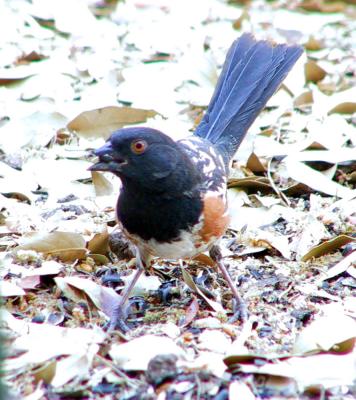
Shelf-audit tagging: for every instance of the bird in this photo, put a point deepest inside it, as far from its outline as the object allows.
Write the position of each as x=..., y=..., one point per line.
x=173, y=198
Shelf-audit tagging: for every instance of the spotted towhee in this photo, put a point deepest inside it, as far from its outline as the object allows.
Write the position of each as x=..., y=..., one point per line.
x=173, y=198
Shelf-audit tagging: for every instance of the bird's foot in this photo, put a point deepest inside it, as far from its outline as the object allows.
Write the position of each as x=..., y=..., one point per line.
x=135, y=306
x=239, y=308
x=240, y=311
x=118, y=319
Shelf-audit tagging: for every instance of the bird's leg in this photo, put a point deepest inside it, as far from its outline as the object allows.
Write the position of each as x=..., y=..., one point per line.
x=119, y=316
x=216, y=256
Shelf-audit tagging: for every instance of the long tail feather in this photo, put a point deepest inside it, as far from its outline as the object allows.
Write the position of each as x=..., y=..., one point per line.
x=252, y=72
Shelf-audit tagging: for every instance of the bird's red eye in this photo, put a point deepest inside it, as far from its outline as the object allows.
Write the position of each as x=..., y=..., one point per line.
x=139, y=146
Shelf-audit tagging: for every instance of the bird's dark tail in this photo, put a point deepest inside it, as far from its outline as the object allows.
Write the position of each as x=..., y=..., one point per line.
x=252, y=72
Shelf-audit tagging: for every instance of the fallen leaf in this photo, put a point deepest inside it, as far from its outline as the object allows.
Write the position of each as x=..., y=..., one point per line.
x=314, y=44
x=325, y=370
x=45, y=242
x=335, y=332
x=102, y=186
x=77, y=289
x=314, y=73
x=143, y=285
x=214, y=340
x=313, y=232
x=9, y=289
x=322, y=6
x=315, y=179
x=29, y=282
x=99, y=243
x=255, y=164
x=74, y=366
x=190, y=283
x=136, y=354
x=304, y=99
x=340, y=101
x=327, y=247
x=103, y=122
x=35, y=129
x=68, y=255
x=36, y=341
x=344, y=108
x=240, y=390
x=9, y=75
x=253, y=182
x=205, y=259
x=46, y=372
x=190, y=312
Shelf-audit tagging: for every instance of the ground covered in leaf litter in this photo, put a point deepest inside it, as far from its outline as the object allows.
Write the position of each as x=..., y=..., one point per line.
x=290, y=244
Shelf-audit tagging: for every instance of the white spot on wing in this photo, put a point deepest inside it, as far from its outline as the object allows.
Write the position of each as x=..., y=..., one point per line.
x=209, y=162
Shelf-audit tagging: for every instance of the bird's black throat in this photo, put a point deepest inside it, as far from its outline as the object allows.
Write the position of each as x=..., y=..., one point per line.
x=158, y=216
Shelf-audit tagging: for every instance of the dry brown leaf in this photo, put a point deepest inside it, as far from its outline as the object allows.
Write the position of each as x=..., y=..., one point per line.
x=102, y=122
x=76, y=288
x=191, y=312
x=255, y=164
x=205, y=259
x=338, y=102
x=99, y=243
x=314, y=73
x=305, y=98
x=344, y=108
x=190, y=283
x=68, y=255
x=327, y=247
x=253, y=182
x=46, y=372
x=67, y=246
x=51, y=241
x=314, y=44
x=323, y=6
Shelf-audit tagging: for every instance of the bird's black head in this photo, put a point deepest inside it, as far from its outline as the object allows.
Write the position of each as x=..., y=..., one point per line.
x=146, y=159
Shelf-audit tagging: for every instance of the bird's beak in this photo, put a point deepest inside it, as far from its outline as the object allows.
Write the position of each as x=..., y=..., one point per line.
x=107, y=160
